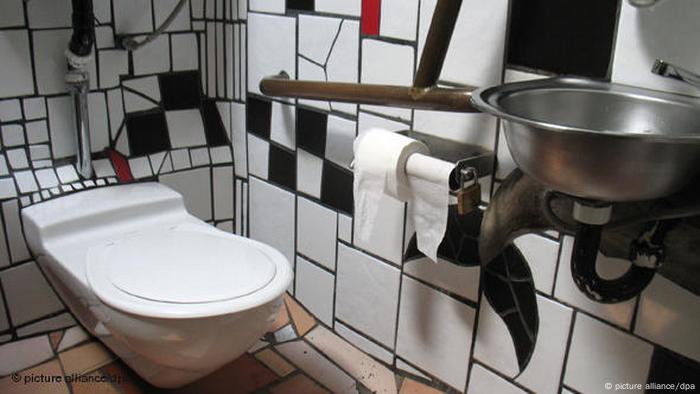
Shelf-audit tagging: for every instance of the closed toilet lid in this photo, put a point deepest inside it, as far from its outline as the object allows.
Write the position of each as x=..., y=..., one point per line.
x=180, y=266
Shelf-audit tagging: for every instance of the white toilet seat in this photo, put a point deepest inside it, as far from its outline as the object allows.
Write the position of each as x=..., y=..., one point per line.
x=182, y=271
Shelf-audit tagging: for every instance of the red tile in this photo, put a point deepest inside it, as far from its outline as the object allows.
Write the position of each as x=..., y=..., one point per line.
x=243, y=375
x=121, y=166
x=370, y=17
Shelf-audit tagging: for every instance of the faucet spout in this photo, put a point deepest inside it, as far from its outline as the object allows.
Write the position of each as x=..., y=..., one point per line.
x=669, y=70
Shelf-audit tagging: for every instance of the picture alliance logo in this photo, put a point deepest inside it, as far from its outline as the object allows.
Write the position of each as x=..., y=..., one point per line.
x=650, y=386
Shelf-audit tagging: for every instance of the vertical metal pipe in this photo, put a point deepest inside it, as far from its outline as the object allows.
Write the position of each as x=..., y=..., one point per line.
x=437, y=43
x=79, y=82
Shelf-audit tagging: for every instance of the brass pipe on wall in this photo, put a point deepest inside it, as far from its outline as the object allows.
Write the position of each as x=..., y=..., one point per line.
x=437, y=42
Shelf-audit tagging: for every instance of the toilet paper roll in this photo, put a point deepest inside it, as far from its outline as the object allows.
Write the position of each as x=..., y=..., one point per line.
x=381, y=162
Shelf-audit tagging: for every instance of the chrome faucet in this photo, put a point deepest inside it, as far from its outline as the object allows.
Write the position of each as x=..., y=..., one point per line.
x=669, y=70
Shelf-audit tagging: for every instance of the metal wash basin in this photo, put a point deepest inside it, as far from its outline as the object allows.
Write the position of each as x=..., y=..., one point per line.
x=598, y=140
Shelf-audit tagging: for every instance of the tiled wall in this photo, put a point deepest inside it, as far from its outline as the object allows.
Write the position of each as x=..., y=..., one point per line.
x=291, y=182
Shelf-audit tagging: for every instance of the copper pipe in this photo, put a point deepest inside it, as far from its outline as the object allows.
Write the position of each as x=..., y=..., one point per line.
x=441, y=99
x=436, y=44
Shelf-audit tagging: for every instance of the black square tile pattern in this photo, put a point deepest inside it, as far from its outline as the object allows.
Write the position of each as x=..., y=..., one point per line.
x=282, y=167
x=214, y=130
x=147, y=133
x=304, y=5
x=564, y=37
x=180, y=90
x=311, y=131
x=336, y=187
x=258, y=116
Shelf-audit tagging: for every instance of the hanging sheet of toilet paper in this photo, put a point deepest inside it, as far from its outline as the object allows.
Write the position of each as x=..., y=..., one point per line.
x=381, y=160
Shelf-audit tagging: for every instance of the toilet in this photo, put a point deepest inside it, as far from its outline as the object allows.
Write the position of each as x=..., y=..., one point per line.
x=174, y=297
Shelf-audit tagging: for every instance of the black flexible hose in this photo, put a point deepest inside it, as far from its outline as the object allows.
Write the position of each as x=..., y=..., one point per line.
x=83, y=28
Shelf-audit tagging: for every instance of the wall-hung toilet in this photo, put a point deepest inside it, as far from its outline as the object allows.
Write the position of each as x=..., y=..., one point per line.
x=174, y=297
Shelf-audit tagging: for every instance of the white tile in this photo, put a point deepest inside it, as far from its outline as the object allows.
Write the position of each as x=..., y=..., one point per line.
x=113, y=63
x=47, y=178
x=316, y=232
x=220, y=154
x=99, y=122
x=7, y=189
x=10, y=110
x=274, y=6
x=512, y=75
x=342, y=7
x=309, y=171
x=102, y=10
x=340, y=135
x=274, y=38
x=12, y=135
x=3, y=166
x=312, y=72
x=25, y=306
x=11, y=13
x=220, y=67
x=541, y=254
x=230, y=63
x=50, y=61
x=404, y=366
x=67, y=174
x=148, y=86
x=16, y=63
x=211, y=59
x=152, y=58
x=495, y=348
x=140, y=167
x=133, y=17
x=282, y=125
x=259, y=152
x=316, y=36
x=601, y=354
x=238, y=139
x=272, y=216
x=385, y=239
x=463, y=281
x=343, y=62
x=565, y=289
x=157, y=160
x=200, y=157
x=115, y=103
x=390, y=64
x=317, y=366
x=72, y=337
x=482, y=381
x=314, y=288
x=17, y=158
x=104, y=37
x=363, y=343
x=667, y=315
x=372, y=310
x=441, y=349
x=44, y=14
x=103, y=168
x=122, y=144
x=480, y=29
x=186, y=128
x=195, y=187
x=345, y=227
x=184, y=52
x=34, y=108
x=167, y=164
x=223, y=192
x=476, y=129
x=62, y=126
x=39, y=152
x=45, y=325
x=181, y=159
x=13, y=227
x=667, y=31
x=163, y=9
x=399, y=19
x=18, y=355
x=367, y=121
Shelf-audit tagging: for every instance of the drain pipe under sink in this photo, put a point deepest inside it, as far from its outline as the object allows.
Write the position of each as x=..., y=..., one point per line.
x=79, y=54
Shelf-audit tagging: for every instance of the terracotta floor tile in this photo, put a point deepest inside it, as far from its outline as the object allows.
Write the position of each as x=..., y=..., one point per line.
x=85, y=358
x=55, y=338
x=84, y=386
x=297, y=385
x=243, y=375
x=281, y=320
x=46, y=370
x=275, y=362
x=317, y=366
x=411, y=386
x=303, y=321
x=369, y=372
x=127, y=380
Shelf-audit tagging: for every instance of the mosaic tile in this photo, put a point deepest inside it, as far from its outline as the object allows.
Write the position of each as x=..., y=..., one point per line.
x=303, y=321
x=19, y=355
x=317, y=366
x=298, y=384
x=51, y=368
x=275, y=362
x=93, y=387
x=281, y=320
x=411, y=386
x=248, y=374
x=85, y=358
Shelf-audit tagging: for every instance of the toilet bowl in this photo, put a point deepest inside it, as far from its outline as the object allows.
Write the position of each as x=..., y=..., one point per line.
x=172, y=296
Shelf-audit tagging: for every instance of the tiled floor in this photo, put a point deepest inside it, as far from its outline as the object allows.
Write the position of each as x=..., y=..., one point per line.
x=297, y=356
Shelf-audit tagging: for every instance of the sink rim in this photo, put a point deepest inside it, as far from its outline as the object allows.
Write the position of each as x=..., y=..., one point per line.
x=487, y=100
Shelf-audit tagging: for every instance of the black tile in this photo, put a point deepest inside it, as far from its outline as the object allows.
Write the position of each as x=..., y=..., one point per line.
x=213, y=126
x=311, y=131
x=671, y=368
x=563, y=37
x=180, y=90
x=147, y=133
x=282, y=168
x=258, y=117
x=306, y=5
x=336, y=187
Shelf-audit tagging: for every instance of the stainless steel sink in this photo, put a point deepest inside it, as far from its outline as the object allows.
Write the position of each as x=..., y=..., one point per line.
x=598, y=140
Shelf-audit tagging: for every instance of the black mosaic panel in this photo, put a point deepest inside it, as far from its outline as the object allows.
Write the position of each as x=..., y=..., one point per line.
x=147, y=133
x=564, y=37
x=259, y=117
x=303, y=5
x=671, y=368
x=282, y=168
x=180, y=90
x=213, y=126
x=311, y=129
x=336, y=187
